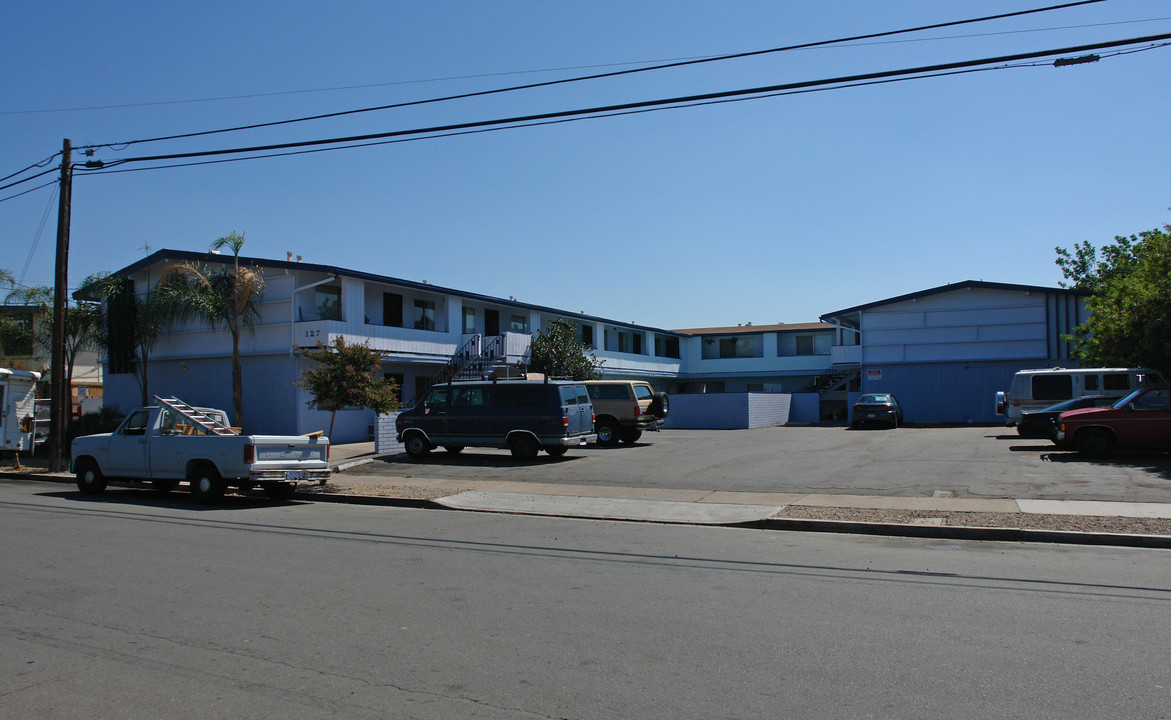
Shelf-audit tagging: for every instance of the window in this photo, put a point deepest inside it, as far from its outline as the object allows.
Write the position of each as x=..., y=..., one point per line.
x=666, y=346
x=623, y=342
x=607, y=392
x=521, y=395
x=469, y=320
x=737, y=347
x=1115, y=381
x=587, y=336
x=642, y=392
x=568, y=395
x=471, y=397
x=392, y=309
x=1052, y=387
x=1091, y=381
x=804, y=344
x=518, y=324
x=136, y=423
x=1153, y=400
x=424, y=314
x=637, y=349
x=436, y=399
x=328, y=302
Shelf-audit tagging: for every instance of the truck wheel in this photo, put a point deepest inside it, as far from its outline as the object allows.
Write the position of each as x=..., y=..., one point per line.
x=1094, y=443
x=631, y=436
x=89, y=478
x=556, y=450
x=453, y=449
x=206, y=485
x=280, y=491
x=416, y=445
x=164, y=485
x=525, y=447
x=607, y=430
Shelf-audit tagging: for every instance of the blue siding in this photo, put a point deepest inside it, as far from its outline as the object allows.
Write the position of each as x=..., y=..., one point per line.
x=269, y=394
x=945, y=392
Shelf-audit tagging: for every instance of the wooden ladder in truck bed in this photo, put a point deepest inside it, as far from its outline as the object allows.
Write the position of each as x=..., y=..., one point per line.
x=200, y=419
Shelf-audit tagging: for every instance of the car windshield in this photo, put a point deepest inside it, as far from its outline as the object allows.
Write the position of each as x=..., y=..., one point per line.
x=873, y=399
x=1068, y=404
x=1127, y=400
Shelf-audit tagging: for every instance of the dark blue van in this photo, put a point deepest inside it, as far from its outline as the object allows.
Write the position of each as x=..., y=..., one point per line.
x=524, y=416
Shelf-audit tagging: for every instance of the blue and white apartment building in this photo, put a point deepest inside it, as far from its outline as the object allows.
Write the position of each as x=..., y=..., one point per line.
x=944, y=352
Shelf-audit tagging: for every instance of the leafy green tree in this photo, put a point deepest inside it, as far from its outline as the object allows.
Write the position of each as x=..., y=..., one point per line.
x=1130, y=304
x=556, y=352
x=347, y=377
x=83, y=322
x=220, y=297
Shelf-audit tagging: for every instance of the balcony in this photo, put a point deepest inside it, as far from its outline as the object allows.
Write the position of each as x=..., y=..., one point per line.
x=846, y=354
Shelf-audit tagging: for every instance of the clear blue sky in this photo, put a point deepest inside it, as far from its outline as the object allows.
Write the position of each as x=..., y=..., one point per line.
x=773, y=210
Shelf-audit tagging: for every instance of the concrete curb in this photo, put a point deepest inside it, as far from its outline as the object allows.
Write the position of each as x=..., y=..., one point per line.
x=931, y=532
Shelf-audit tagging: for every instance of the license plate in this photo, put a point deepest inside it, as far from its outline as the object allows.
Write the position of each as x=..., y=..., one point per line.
x=295, y=475
x=869, y=416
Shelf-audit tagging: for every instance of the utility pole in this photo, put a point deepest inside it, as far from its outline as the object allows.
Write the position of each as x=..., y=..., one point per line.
x=60, y=404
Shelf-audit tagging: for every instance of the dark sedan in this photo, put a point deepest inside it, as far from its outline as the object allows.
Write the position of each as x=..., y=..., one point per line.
x=877, y=408
x=1043, y=423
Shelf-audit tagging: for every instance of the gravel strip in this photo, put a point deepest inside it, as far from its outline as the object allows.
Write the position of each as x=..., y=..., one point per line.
x=1026, y=521
x=406, y=492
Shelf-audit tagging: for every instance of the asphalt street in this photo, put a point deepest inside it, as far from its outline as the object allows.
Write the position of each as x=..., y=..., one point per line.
x=978, y=462
x=136, y=605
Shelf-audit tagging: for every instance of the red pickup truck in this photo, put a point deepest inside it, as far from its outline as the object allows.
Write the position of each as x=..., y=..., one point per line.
x=1142, y=419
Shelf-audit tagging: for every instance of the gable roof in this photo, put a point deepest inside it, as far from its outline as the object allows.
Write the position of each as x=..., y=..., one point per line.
x=950, y=287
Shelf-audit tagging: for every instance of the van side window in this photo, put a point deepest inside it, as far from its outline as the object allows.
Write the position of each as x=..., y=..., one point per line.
x=568, y=396
x=521, y=396
x=1052, y=387
x=1091, y=381
x=471, y=397
x=583, y=397
x=1116, y=381
x=436, y=399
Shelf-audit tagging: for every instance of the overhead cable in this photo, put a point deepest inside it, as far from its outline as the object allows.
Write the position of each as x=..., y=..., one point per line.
x=654, y=103
x=617, y=73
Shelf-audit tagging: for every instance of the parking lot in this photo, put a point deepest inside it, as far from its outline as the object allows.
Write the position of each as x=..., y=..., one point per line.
x=985, y=462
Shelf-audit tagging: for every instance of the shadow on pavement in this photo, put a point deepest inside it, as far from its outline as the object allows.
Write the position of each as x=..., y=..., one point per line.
x=146, y=497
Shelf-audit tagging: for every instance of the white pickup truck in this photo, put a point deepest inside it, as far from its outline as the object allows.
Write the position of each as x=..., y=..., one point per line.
x=170, y=442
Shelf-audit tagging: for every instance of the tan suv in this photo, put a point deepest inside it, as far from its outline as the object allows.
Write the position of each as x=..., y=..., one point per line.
x=623, y=409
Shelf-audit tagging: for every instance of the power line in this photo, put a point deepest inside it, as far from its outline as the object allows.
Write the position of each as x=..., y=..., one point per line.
x=30, y=190
x=939, y=68
x=537, y=71
x=617, y=73
x=478, y=131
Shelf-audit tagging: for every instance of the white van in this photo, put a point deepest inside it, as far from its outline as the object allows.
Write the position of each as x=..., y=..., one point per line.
x=18, y=409
x=1038, y=389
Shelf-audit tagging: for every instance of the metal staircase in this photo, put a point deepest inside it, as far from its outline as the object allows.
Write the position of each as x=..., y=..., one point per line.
x=206, y=422
x=476, y=360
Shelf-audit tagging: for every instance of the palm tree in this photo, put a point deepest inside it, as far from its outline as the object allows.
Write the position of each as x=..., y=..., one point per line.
x=219, y=297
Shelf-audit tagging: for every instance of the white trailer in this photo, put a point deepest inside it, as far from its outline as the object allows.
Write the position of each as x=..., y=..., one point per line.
x=17, y=409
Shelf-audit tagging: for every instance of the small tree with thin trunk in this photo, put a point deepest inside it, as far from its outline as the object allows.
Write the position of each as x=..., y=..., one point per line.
x=347, y=377
x=556, y=352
